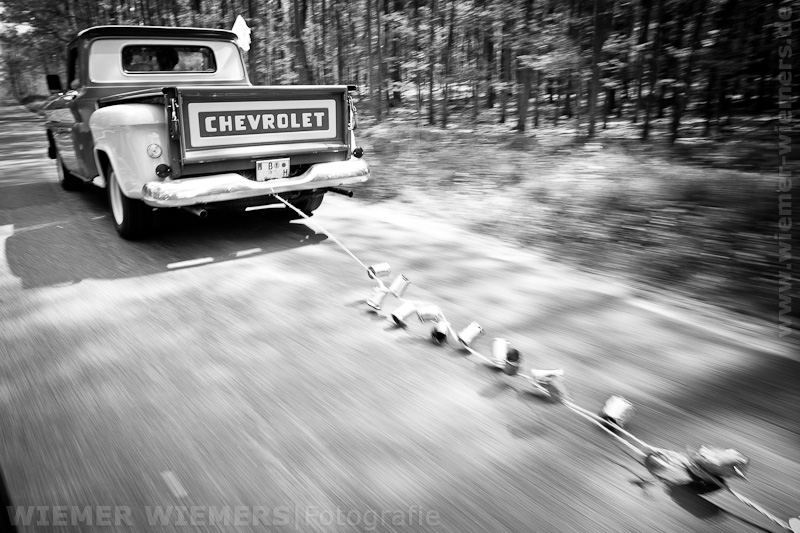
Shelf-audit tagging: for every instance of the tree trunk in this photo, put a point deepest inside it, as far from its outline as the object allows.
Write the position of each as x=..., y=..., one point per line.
x=567, y=111
x=524, y=97
x=653, y=72
x=304, y=72
x=340, y=50
x=395, y=74
x=432, y=65
x=419, y=99
x=610, y=102
x=251, y=53
x=662, y=100
x=578, y=104
x=682, y=98
x=267, y=66
x=491, y=67
x=538, y=75
x=712, y=79
x=322, y=51
x=381, y=67
x=447, y=61
x=722, y=102
x=416, y=49
x=557, y=108
x=647, y=6
x=601, y=25
x=376, y=107
x=505, y=79
x=474, y=53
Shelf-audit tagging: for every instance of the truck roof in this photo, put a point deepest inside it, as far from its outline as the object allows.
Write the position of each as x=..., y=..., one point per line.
x=156, y=32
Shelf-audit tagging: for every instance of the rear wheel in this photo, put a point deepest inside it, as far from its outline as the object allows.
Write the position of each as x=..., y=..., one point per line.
x=308, y=204
x=68, y=181
x=132, y=218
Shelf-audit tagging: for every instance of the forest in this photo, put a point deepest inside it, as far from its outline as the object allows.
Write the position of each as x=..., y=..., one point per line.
x=530, y=60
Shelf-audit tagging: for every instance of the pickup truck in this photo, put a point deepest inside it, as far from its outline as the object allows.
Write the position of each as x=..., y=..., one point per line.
x=167, y=118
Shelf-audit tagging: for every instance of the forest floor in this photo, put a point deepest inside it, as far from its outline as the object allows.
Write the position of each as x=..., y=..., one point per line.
x=695, y=219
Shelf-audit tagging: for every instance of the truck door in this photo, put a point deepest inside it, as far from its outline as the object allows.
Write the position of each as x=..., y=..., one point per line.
x=82, y=106
x=62, y=118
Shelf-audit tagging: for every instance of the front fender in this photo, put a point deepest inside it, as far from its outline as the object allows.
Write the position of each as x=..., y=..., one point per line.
x=123, y=132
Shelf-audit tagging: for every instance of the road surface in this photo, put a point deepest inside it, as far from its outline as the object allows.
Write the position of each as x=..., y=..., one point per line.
x=227, y=375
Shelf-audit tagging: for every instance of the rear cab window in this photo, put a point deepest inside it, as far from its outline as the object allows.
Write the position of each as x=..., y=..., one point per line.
x=167, y=58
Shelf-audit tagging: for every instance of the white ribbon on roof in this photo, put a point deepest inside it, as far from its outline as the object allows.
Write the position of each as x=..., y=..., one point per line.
x=242, y=31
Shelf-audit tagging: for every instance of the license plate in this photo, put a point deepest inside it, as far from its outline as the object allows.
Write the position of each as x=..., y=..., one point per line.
x=270, y=169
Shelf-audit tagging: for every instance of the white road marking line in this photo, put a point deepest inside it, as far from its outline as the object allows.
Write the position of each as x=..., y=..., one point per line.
x=41, y=226
x=7, y=278
x=96, y=218
x=174, y=484
x=251, y=251
x=190, y=263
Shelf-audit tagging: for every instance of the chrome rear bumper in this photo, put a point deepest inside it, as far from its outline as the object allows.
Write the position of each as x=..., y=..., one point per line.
x=230, y=186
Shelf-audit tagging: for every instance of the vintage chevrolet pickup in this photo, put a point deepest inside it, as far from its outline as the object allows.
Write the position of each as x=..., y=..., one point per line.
x=167, y=118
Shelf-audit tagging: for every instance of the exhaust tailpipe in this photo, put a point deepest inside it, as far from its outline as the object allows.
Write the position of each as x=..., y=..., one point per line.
x=339, y=190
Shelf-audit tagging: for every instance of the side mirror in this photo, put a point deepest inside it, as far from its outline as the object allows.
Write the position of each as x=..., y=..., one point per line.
x=54, y=83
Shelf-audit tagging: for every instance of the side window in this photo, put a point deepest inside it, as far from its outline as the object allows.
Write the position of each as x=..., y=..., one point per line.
x=73, y=70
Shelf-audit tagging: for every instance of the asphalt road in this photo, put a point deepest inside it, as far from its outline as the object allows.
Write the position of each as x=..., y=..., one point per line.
x=255, y=391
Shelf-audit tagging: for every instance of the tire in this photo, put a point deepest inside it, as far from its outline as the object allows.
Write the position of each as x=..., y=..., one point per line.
x=132, y=218
x=308, y=204
x=68, y=181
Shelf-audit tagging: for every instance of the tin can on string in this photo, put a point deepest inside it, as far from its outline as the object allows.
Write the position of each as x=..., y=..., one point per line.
x=399, y=285
x=380, y=270
x=543, y=377
x=470, y=333
x=556, y=389
x=376, y=299
x=713, y=462
x=401, y=314
x=550, y=382
x=511, y=366
x=429, y=313
x=617, y=410
x=499, y=351
x=439, y=331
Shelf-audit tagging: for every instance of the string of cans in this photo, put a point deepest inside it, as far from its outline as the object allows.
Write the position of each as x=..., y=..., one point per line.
x=504, y=356
x=707, y=466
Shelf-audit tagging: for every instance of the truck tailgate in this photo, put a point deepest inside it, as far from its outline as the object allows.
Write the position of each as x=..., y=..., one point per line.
x=219, y=123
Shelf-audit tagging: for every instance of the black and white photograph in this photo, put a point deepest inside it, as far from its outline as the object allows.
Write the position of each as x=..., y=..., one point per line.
x=435, y=266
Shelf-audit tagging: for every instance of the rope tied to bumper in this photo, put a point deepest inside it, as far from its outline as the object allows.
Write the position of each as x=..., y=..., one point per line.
x=322, y=229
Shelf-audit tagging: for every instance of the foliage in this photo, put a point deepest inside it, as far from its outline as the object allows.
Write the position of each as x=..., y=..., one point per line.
x=694, y=218
x=708, y=58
